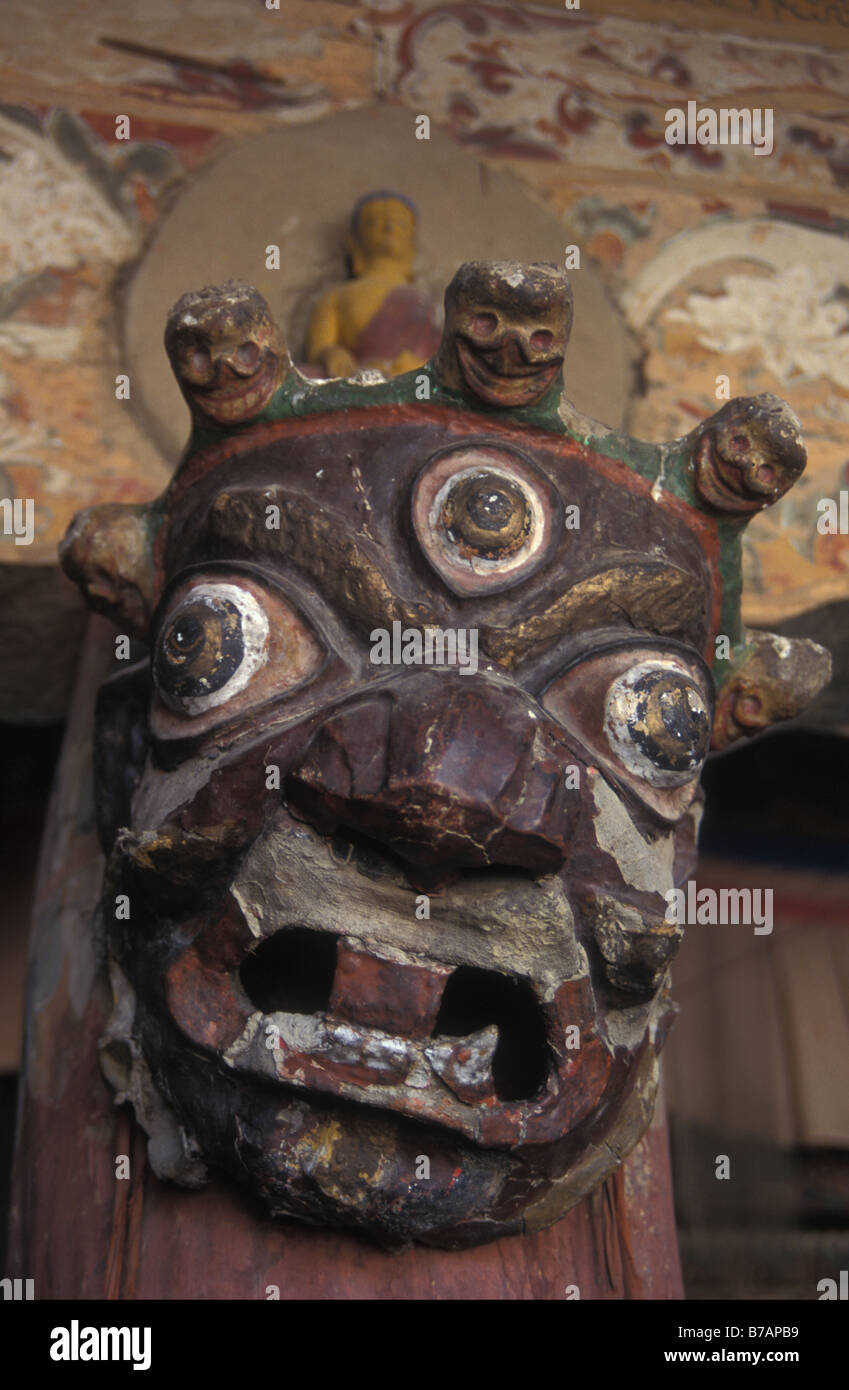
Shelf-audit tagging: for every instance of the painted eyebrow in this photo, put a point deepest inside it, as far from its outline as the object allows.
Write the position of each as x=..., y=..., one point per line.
x=321, y=547
x=660, y=599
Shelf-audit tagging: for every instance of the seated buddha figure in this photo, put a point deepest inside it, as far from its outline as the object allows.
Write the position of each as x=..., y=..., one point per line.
x=377, y=318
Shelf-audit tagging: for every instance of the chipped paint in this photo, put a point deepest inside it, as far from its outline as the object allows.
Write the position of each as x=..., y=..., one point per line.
x=644, y=864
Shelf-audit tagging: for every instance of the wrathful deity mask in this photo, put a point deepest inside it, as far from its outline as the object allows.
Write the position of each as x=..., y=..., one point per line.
x=388, y=937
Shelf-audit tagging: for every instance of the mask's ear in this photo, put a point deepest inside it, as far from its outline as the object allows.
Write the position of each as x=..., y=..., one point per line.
x=774, y=678
x=108, y=552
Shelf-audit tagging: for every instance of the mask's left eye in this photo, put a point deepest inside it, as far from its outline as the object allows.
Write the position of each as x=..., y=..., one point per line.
x=644, y=715
x=209, y=647
x=658, y=723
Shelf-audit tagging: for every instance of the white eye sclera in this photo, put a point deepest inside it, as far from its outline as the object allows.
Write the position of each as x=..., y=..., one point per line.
x=210, y=647
x=657, y=721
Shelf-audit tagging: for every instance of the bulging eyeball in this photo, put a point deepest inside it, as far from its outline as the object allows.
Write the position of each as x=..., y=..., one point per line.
x=210, y=647
x=486, y=514
x=658, y=722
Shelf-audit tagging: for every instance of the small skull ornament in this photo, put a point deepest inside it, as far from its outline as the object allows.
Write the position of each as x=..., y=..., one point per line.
x=750, y=456
x=226, y=353
x=388, y=902
x=507, y=329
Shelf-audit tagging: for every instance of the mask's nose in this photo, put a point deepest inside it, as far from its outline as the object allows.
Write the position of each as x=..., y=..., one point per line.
x=447, y=771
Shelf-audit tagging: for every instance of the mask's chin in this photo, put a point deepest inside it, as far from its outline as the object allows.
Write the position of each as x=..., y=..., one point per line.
x=331, y=1163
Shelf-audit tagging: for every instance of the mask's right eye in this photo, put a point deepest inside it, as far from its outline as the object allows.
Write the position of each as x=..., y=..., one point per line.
x=200, y=361
x=222, y=646
x=210, y=647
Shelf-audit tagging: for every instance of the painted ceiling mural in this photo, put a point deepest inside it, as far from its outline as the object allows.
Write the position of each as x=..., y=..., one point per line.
x=698, y=244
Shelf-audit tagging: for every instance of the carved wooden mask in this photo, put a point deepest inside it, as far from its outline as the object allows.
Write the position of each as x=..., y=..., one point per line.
x=393, y=806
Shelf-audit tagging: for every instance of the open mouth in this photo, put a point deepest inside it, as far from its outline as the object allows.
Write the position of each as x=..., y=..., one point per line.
x=242, y=398
x=474, y=1050
x=516, y=387
x=487, y=1039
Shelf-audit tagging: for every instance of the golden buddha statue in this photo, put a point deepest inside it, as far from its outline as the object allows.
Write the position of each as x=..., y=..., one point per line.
x=378, y=318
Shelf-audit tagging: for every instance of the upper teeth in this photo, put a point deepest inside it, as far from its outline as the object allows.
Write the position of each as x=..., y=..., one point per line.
x=239, y=405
